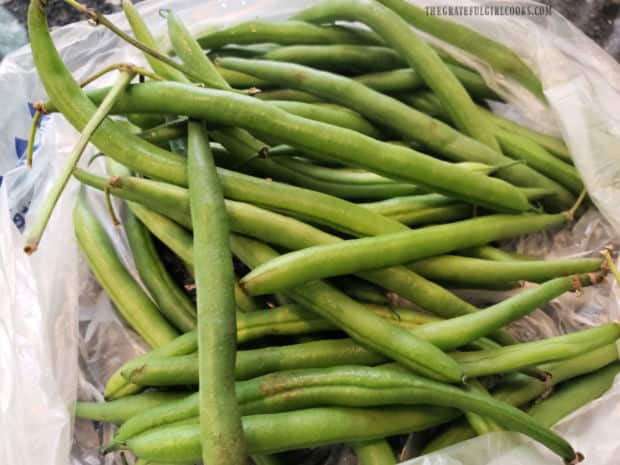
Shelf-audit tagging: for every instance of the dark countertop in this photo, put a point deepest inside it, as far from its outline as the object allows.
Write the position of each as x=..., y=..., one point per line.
x=599, y=19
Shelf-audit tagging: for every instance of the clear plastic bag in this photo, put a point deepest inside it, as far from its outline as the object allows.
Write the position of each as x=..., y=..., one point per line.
x=60, y=337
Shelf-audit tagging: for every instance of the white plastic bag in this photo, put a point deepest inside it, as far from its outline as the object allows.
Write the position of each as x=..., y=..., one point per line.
x=49, y=350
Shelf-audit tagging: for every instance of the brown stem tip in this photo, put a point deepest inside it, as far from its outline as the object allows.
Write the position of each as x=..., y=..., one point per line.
x=576, y=459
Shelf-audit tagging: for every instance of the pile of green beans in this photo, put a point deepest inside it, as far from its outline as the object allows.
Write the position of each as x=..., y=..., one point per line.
x=367, y=182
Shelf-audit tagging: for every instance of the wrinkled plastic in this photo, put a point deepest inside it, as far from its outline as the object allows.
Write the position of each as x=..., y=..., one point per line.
x=60, y=337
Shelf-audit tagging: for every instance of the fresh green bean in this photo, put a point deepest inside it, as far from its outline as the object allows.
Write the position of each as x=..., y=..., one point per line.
x=417, y=53
x=325, y=140
x=518, y=389
x=505, y=359
x=480, y=424
x=514, y=144
x=388, y=111
x=331, y=114
x=397, y=279
x=406, y=80
x=220, y=420
x=144, y=121
x=239, y=80
x=269, y=433
x=370, y=253
x=35, y=230
x=343, y=58
x=361, y=290
x=172, y=301
x=287, y=94
x=374, y=452
x=487, y=252
x=284, y=33
x=477, y=272
x=500, y=57
x=119, y=411
x=361, y=324
x=574, y=394
x=66, y=94
x=129, y=299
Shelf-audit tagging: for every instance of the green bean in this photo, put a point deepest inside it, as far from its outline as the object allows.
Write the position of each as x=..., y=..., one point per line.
x=172, y=301
x=119, y=411
x=287, y=94
x=343, y=58
x=417, y=53
x=487, y=252
x=144, y=121
x=325, y=140
x=331, y=114
x=573, y=395
x=387, y=111
x=354, y=386
x=361, y=290
x=355, y=320
x=495, y=54
x=284, y=33
x=35, y=230
x=477, y=272
x=519, y=389
x=514, y=144
x=374, y=452
x=129, y=299
x=220, y=420
x=369, y=253
x=269, y=433
x=397, y=279
x=239, y=80
x=448, y=334
x=406, y=80
x=480, y=424
x=66, y=94
x=246, y=51
x=552, y=144
x=483, y=363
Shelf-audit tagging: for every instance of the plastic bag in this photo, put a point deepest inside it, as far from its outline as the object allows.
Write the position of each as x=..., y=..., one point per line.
x=51, y=352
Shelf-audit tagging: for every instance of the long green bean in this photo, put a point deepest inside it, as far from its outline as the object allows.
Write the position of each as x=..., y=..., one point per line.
x=417, y=53
x=374, y=452
x=495, y=54
x=370, y=253
x=388, y=111
x=221, y=435
x=284, y=33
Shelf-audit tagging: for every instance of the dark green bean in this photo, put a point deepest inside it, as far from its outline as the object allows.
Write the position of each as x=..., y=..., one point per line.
x=369, y=253
x=495, y=54
x=119, y=411
x=288, y=94
x=574, y=394
x=417, y=53
x=220, y=420
x=284, y=33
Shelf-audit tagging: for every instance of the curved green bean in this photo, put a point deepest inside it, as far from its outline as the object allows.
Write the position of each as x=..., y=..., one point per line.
x=505, y=359
x=574, y=394
x=400, y=117
x=369, y=253
x=374, y=452
x=284, y=33
x=497, y=55
x=129, y=299
x=121, y=410
x=417, y=53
